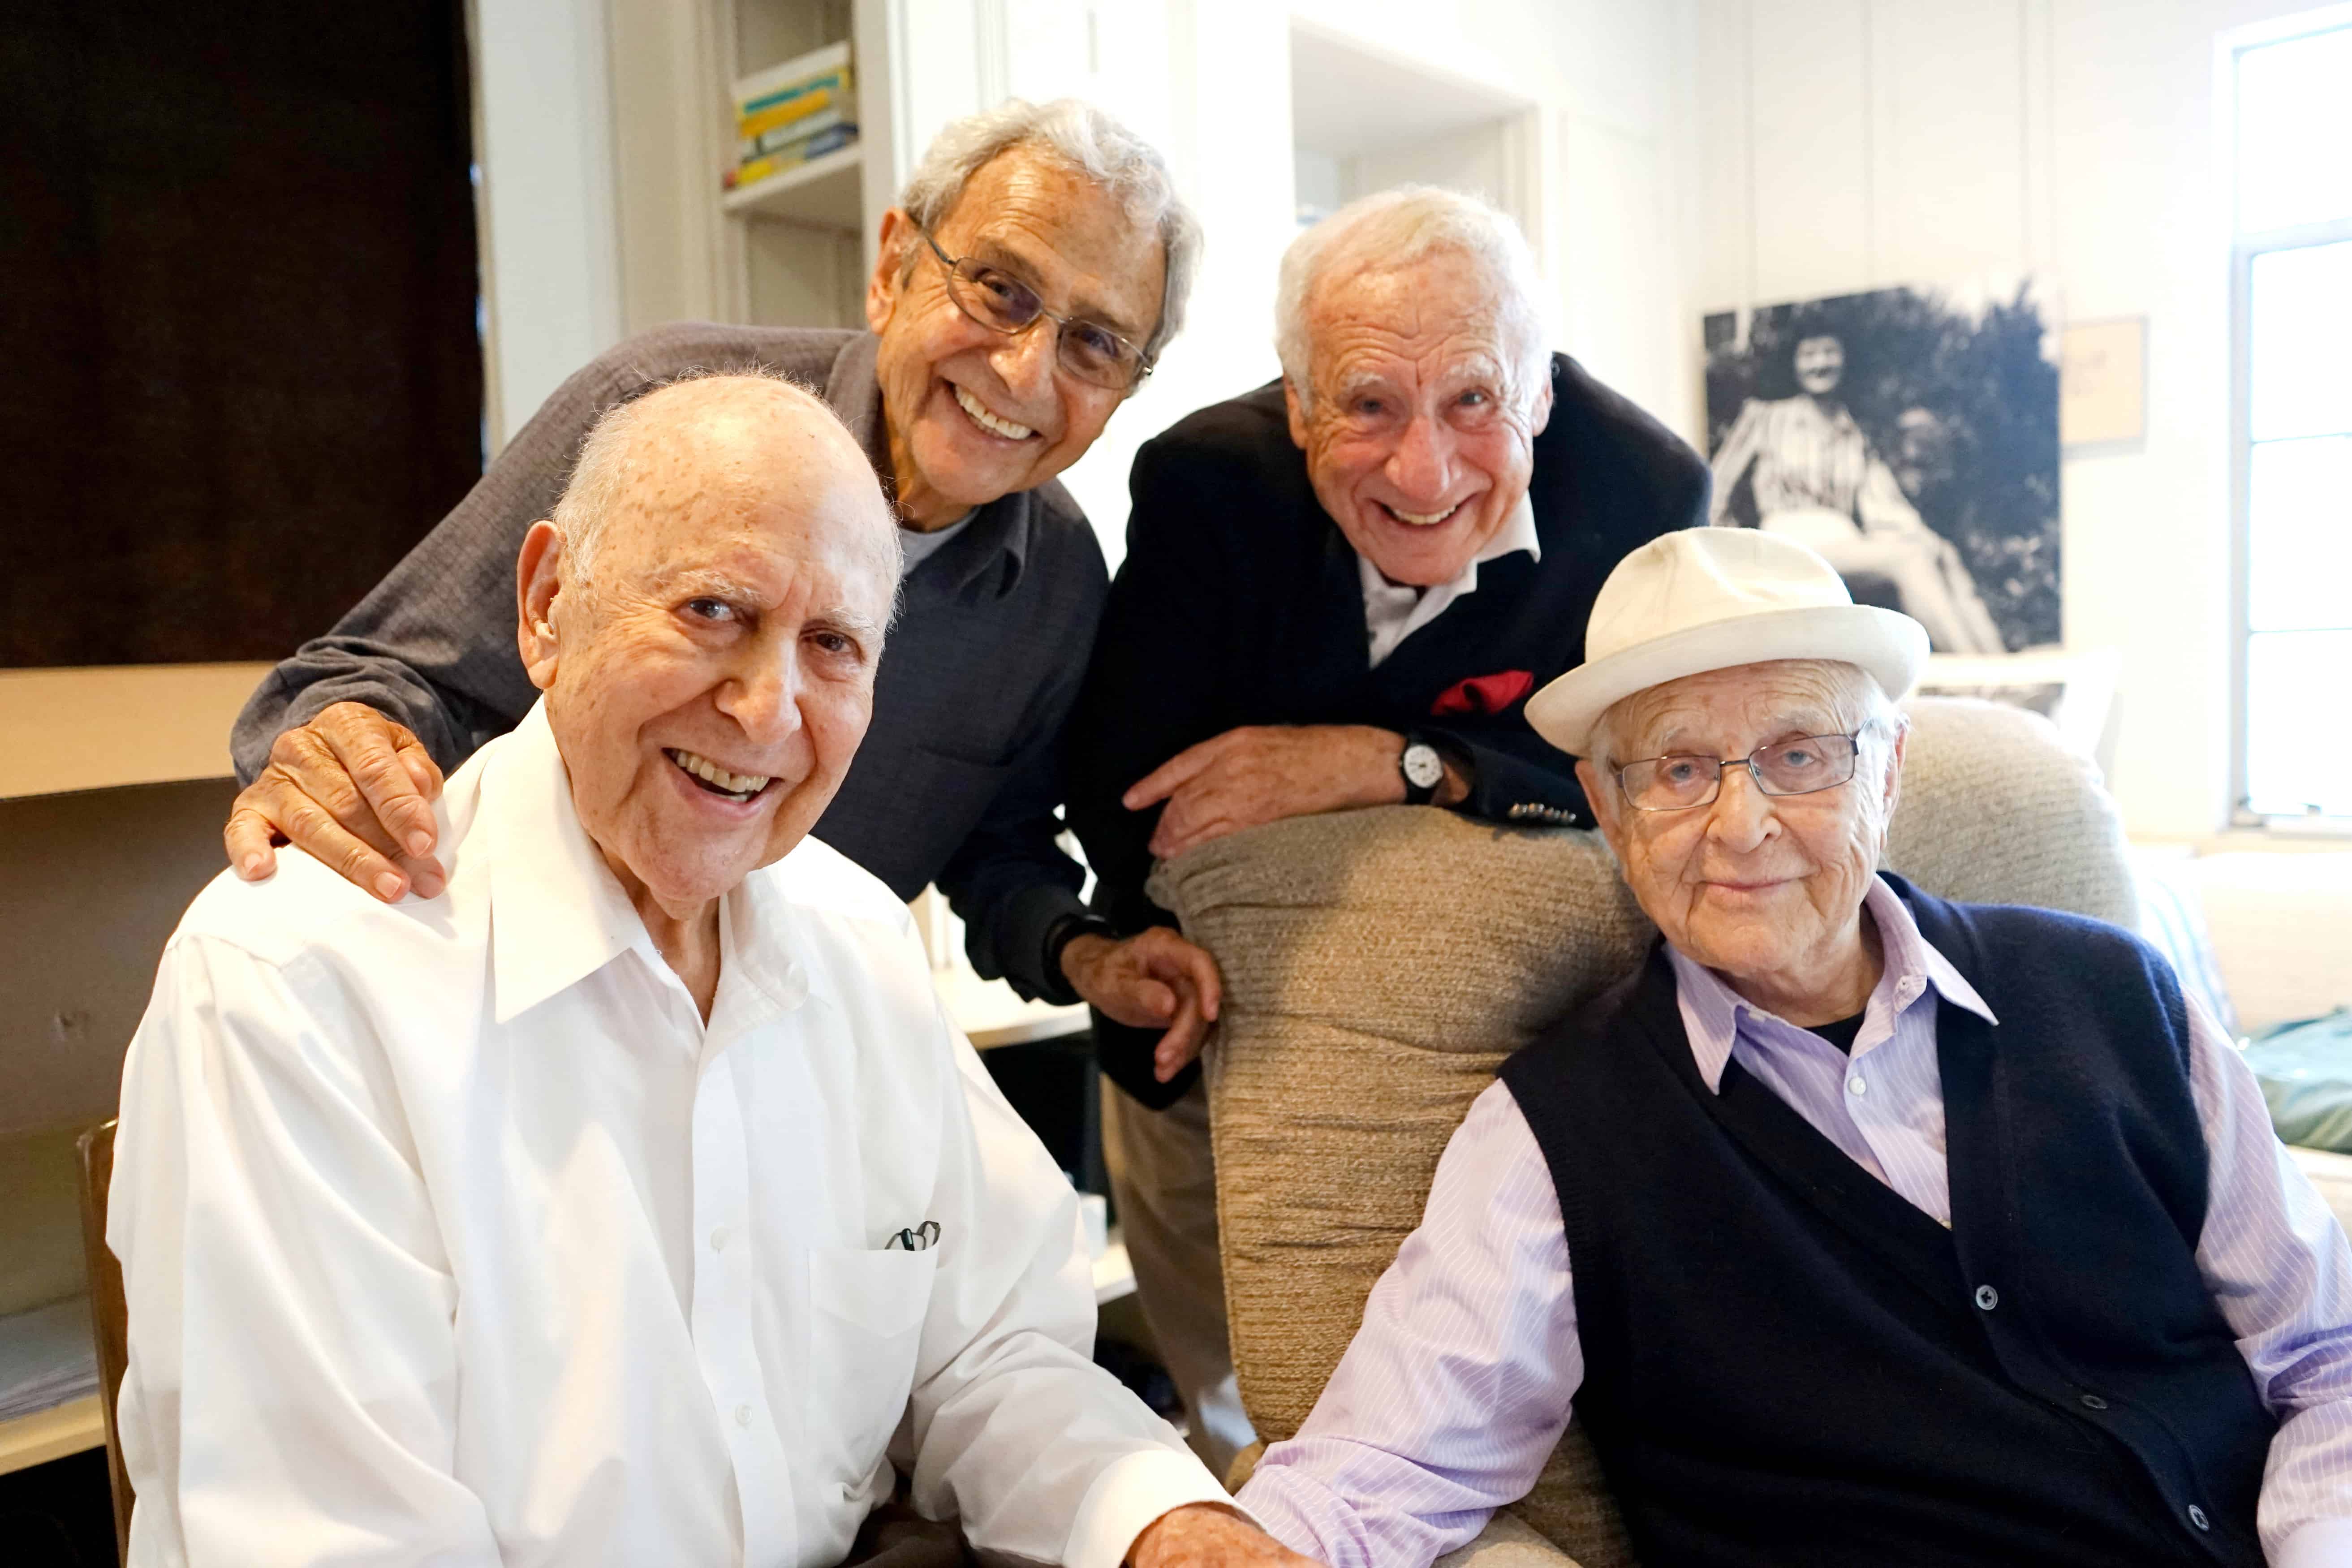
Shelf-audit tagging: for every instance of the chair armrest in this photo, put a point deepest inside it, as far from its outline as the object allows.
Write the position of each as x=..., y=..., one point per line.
x=1507, y=1542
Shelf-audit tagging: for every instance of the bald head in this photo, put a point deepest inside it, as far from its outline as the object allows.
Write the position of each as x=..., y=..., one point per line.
x=744, y=432
x=704, y=613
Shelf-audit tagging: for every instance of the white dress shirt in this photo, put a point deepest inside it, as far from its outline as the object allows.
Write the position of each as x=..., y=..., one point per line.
x=1394, y=611
x=453, y=1234
x=1458, y=1384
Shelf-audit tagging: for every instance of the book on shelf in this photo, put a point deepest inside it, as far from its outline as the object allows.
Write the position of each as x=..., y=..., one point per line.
x=807, y=151
x=769, y=143
x=792, y=113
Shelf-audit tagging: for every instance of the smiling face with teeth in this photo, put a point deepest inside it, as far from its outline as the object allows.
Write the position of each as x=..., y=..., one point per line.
x=1416, y=442
x=710, y=669
x=973, y=413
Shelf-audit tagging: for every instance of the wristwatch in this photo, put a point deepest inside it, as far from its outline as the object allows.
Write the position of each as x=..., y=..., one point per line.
x=1422, y=768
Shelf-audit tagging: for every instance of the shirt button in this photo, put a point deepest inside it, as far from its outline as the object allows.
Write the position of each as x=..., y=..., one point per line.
x=743, y=1416
x=719, y=1239
x=1855, y=1085
x=2196, y=1517
x=1988, y=1298
x=2093, y=1402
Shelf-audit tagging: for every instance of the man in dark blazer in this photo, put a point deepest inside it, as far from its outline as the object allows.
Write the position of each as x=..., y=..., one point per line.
x=1338, y=591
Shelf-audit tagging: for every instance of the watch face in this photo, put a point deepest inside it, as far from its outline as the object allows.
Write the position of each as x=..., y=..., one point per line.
x=1422, y=766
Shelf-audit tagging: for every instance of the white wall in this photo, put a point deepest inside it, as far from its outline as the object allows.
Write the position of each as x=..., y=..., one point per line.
x=550, y=240
x=1840, y=145
x=1208, y=83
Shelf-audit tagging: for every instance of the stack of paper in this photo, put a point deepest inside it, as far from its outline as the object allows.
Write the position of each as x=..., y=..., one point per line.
x=46, y=1358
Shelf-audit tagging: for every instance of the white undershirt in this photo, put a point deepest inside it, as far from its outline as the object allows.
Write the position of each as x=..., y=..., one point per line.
x=916, y=547
x=1394, y=611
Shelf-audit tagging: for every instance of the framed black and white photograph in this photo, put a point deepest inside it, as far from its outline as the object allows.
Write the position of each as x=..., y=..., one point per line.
x=1910, y=436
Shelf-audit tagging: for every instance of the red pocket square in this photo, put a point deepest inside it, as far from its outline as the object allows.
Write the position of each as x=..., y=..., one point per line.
x=1483, y=693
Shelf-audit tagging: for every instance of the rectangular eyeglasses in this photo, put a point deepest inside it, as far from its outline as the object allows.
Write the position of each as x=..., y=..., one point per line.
x=998, y=301
x=1806, y=765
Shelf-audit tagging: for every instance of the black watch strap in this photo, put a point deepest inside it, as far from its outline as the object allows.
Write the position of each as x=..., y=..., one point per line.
x=1076, y=923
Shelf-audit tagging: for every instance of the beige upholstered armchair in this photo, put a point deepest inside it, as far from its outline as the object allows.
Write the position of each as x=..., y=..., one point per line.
x=1379, y=965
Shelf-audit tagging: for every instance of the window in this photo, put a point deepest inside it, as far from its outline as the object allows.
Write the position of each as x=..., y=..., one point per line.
x=2293, y=278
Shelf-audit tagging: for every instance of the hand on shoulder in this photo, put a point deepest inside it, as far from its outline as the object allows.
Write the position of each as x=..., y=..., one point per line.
x=355, y=791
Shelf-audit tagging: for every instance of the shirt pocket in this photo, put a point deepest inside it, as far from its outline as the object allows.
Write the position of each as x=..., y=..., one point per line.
x=866, y=1332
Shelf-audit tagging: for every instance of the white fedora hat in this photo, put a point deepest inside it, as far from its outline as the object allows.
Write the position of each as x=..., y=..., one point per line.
x=1711, y=598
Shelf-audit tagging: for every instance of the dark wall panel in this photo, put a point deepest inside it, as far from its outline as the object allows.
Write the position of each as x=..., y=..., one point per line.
x=237, y=280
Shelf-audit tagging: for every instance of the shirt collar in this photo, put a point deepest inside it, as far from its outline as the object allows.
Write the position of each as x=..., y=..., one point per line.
x=1429, y=603
x=998, y=536
x=1712, y=1011
x=558, y=914
x=1518, y=533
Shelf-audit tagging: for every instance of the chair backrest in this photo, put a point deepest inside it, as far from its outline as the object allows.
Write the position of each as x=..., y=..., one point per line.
x=1380, y=964
x=109, y=1314
x=92, y=883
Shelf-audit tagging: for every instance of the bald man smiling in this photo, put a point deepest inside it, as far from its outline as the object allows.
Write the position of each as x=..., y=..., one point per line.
x=633, y=1202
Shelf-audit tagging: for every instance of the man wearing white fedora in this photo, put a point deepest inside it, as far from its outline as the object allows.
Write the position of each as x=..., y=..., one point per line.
x=1901, y=1230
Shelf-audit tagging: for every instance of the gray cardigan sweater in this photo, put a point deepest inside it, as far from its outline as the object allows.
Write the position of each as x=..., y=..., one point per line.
x=959, y=779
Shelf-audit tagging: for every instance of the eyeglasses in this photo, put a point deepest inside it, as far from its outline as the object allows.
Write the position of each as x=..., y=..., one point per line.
x=1003, y=303
x=1806, y=765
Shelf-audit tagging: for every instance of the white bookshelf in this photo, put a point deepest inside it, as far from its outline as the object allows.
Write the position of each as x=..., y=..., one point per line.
x=81, y=1424
x=820, y=193
x=793, y=249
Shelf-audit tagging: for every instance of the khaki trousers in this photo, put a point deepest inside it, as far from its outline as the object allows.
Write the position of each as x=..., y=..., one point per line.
x=1164, y=1181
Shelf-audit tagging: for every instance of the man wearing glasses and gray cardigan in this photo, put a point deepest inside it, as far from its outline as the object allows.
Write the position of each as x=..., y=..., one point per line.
x=1038, y=261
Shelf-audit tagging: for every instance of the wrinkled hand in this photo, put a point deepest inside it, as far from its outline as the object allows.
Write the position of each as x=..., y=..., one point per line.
x=354, y=790
x=1206, y=1535
x=1263, y=774
x=1153, y=977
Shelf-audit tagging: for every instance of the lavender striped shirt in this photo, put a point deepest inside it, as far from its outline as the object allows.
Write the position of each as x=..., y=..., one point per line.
x=1457, y=1385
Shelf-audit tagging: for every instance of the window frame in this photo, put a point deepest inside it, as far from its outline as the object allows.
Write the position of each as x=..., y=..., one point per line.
x=2244, y=248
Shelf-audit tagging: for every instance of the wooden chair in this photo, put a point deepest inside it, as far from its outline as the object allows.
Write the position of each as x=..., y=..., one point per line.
x=110, y=1314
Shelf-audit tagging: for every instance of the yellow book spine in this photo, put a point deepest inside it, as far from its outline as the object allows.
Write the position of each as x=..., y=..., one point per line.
x=751, y=125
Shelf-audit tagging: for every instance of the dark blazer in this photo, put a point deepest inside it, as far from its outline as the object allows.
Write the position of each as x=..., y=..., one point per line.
x=1240, y=603
x=959, y=775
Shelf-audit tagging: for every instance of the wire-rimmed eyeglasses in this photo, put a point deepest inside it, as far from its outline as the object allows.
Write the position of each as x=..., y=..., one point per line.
x=1002, y=302
x=1805, y=765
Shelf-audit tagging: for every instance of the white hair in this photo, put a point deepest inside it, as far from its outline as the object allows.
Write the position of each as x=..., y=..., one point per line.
x=613, y=456
x=1094, y=144
x=1394, y=228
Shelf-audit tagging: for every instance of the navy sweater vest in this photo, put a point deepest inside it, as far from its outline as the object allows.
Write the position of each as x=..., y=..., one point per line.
x=1787, y=1363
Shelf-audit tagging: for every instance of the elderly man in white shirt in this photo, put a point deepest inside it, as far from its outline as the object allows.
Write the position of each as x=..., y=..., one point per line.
x=635, y=1202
